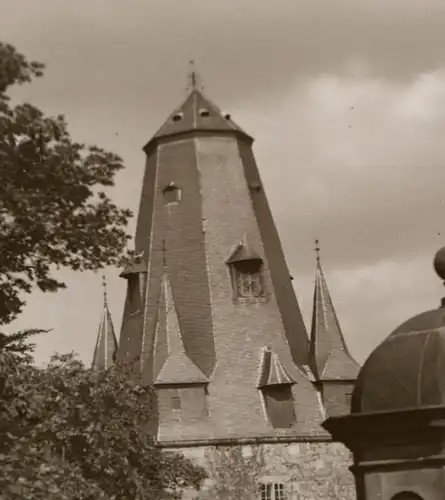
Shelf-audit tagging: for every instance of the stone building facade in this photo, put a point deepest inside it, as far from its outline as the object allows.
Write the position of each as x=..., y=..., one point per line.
x=211, y=320
x=279, y=471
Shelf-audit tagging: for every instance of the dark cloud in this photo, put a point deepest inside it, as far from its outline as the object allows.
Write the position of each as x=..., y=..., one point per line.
x=369, y=181
x=243, y=47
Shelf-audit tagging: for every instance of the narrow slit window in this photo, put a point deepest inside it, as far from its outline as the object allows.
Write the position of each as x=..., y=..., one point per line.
x=175, y=402
x=133, y=294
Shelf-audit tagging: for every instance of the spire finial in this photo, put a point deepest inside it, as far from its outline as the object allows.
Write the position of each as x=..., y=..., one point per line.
x=193, y=77
x=317, y=251
x=104, y=286
x=164, y=255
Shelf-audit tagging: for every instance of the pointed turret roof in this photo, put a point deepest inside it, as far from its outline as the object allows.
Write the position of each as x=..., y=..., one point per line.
x=178, y=367
x=106, y=344
x=329, y=354
x=197, y=114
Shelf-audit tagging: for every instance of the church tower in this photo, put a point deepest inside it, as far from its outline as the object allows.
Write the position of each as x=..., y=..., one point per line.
x=211, y=319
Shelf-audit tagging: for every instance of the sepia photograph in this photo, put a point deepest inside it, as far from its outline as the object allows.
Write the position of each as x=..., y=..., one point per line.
x=222, y=250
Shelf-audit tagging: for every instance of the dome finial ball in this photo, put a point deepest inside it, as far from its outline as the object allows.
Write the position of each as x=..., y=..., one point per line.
x=439, y=263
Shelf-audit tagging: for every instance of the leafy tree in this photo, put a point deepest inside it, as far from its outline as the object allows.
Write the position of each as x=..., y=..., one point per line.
x=53, y=210
x=71, y=433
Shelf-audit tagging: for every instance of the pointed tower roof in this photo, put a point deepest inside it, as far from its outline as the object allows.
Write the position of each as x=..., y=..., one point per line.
x=178, y=367
x=329, y=355
x=197, y=114
x=272, y=372
x=106, y=344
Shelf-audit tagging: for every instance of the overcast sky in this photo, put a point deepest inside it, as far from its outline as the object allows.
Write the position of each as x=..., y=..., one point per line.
x=346, y=101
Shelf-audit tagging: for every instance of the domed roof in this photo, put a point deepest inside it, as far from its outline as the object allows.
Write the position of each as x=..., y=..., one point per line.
x=407, y=370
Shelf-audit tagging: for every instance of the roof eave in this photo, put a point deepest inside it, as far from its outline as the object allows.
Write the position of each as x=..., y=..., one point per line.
x=159, y=139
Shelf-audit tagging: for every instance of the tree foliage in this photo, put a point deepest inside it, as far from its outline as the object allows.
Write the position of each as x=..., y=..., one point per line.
x=54, y=211
x=70, y=433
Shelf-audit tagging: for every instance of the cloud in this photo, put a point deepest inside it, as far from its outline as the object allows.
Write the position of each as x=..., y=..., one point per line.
x=371, y=301
x=361, y=166
x=244, y=48
x=367, y=181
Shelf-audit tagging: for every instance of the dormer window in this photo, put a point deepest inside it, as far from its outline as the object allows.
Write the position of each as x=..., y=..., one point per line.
x=279, y=405
x=204, y=112
x=246, y=269
x=275, y=384
x=247, y=279
x=172, y=194
x=177, y=117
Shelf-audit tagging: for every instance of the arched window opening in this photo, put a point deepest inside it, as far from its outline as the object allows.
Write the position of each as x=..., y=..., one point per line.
x=172, y=194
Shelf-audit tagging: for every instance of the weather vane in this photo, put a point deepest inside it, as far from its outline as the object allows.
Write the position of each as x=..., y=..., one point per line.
x=193, y=78
x=317, y=250
x=104, y=285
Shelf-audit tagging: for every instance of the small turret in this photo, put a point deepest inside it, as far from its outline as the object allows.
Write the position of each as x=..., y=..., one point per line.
x=106, y=344
x=334, y=368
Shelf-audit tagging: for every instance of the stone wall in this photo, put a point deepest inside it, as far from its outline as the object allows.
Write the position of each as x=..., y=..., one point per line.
x=312, y=471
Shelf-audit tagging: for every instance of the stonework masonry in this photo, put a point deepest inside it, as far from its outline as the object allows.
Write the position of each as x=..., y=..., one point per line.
x=308, y=471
